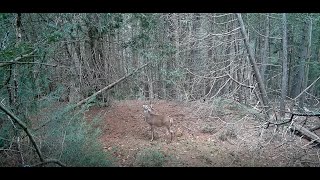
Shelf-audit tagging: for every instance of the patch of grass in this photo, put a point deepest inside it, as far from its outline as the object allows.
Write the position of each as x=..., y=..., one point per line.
x=150, y=158
x=6, y=134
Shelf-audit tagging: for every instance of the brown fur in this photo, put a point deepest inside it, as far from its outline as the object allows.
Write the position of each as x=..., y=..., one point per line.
x=155, y=120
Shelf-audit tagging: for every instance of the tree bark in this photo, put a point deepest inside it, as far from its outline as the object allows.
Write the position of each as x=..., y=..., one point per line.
x=284, y=83
x=261, y=86
x=307, y=57
x=300, y=74
x=265, y=52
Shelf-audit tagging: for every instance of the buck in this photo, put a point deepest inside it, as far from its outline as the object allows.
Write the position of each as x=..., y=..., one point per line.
x=155, y=120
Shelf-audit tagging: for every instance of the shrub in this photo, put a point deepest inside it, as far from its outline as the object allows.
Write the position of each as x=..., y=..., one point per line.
x=150, y=158
x=73, y=140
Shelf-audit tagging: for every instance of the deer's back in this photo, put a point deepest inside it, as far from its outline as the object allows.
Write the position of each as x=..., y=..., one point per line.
x=159, y=120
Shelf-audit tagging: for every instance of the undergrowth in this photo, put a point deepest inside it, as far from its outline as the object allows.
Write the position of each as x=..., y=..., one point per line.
x=150, y=158
x=61, y=131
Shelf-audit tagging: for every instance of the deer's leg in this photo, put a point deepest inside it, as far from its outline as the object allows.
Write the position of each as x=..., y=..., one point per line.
x=170, y=132
x=151, y=133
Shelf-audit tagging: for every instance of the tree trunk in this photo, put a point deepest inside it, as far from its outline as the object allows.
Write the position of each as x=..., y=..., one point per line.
x=265, y=52
x=290, y=60
x=284, y=84
x=14, y=71
x=261, y=86
x=308, y=57
x=300, y=76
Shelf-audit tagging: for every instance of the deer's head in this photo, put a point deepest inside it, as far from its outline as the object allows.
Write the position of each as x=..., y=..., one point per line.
x=146, y=108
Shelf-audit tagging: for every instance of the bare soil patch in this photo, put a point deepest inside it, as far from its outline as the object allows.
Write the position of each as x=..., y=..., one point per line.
x=202, y=137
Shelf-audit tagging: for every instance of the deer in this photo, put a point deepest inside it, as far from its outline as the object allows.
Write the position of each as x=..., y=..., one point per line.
x=156, y=120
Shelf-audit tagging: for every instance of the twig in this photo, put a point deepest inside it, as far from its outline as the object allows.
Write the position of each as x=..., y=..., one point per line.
x=47, y=161
x=307, y=88
x=291, y=117
x=251, y=87
x=64, y=137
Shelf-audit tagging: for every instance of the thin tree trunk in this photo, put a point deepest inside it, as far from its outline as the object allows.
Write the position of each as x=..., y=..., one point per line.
x=300, y=78
x=14, y=71
x=254, y=64
x=305, y=83
x=284, y=84
x=290, y=60
x=265, y=52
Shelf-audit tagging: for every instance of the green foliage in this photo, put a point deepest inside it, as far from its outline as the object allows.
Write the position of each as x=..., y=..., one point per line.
x=55, y=37
x=150, y=158
x=72, y=139
x=146, y=23
x=119, y=95
x=52, y=97
x=12, y=52
x=111, y=23
x=4, y=16
x=172, y=76
x=6, y=133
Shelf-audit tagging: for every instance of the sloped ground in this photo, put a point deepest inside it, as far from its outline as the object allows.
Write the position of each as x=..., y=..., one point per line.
x=202, y=137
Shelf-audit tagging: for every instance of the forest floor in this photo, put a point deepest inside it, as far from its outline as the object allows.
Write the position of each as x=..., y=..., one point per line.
x=202, y=137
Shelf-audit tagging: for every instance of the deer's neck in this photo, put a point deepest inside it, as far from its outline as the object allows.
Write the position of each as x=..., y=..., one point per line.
x=146, y=115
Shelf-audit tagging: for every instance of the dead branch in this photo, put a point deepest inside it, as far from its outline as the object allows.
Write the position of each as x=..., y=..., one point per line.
x=305, y=132
x=24, y=127
x=307, y=87
x=244, y=85
x=111, y=85
x=315, y=128
x=291, y=118
x=21, y=57
x=48, y=161
x=5, y=63
x=299, y=114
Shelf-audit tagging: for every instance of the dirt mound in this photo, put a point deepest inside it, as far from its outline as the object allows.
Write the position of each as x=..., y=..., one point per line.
x=199, y=140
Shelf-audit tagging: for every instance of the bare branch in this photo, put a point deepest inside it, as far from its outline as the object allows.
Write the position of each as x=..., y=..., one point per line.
x=7, y=63
x=307, y=88
x=110, y=85
x=24, y=127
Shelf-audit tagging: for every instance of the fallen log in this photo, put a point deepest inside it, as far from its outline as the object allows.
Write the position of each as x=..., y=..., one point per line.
x=315, y=128
x=304, y=131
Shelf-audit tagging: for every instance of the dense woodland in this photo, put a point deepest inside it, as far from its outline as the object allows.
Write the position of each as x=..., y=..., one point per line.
x=55, y=67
